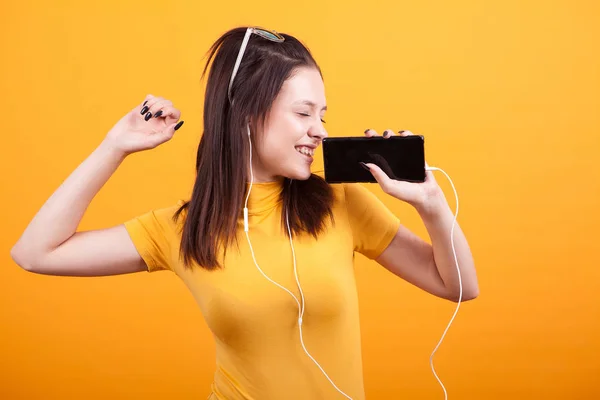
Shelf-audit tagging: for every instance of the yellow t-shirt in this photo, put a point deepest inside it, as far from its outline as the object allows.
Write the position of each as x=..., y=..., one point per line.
x=254, y=322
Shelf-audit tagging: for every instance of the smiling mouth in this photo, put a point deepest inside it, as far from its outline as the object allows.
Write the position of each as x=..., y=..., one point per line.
x=307, y=151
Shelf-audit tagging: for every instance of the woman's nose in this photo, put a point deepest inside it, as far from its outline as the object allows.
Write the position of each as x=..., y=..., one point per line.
x=318, y=131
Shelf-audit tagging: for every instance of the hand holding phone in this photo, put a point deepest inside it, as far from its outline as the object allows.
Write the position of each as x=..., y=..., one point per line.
x=400, y=157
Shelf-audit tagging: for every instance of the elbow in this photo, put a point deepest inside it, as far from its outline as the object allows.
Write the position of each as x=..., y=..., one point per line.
x=471, y=295
x=20, y=258
x=467, y=295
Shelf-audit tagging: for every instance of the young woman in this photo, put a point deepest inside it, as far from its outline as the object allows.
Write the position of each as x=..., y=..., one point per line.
x=265, y=247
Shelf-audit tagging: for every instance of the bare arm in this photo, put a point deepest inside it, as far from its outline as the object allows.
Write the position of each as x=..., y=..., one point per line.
x=50, y=243
x=429, y=267
x=432, y=267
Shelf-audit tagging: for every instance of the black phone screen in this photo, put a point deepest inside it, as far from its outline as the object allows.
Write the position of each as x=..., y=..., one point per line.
x=400, y=157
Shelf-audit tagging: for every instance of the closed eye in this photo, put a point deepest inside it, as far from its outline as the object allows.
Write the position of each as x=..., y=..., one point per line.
x=308, y=115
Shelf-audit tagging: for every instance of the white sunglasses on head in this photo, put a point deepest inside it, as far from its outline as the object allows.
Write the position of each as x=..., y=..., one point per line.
x=265, y=34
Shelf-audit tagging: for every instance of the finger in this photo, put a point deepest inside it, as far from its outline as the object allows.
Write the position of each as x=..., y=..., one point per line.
x=146, y=99
x=382, y=164
x=381, y=177
x=405, y=133
x=174, y=127
x=154, y=107
x=149, y=103
x=387, y=133
x=162, y=137
x=157, y=108
x=389, y=186
x=143, y=104
x=166, y=134
x=370, y=133
x=170, y=113
x=428, y=173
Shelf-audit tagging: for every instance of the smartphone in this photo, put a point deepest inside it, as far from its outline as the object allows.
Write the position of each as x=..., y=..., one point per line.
x=400, y=157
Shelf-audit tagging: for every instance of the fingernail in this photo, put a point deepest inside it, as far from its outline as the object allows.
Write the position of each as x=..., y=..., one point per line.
x=144, y=110
x=148, y=116
x=365, y=166
x=145, y=103
x=158, y=114
x=367, y=130
x=386, y=134
x=401, y=132
x=178, y=125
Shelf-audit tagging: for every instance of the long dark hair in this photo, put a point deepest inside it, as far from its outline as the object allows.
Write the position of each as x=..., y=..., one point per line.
x=222, y=161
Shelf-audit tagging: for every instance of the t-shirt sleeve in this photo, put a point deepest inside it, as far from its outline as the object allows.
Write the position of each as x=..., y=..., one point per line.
x=373, y=224
x=155, y=236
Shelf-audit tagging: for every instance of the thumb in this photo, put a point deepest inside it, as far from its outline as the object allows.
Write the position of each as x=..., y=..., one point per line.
x=167, y=133
x=390, y=186
x=173, y=127
x=381, y=177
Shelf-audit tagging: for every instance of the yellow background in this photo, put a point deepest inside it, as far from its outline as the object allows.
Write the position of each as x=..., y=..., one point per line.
x=505, y=93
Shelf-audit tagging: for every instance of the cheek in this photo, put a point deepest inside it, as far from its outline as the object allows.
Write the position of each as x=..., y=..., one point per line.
x=274, y=150
x=278, y=150
x=282, y=136
x=289, y=127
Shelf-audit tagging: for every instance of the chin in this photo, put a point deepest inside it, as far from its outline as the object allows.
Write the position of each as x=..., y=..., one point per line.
x=299, y=175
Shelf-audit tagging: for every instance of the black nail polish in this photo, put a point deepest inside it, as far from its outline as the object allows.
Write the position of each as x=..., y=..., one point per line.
x=362, y=164
x=145, y=103
x=178, y=125
x=148, y=116
x=400, y=132
x=386, y=134
x=144, y=110
x=367, y=130
x=158, y=114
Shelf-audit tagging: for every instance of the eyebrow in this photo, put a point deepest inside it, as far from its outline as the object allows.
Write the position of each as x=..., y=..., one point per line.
x=311, y=104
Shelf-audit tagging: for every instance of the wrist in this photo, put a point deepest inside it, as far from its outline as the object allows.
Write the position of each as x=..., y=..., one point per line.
x=107, y=149
x=432, y=204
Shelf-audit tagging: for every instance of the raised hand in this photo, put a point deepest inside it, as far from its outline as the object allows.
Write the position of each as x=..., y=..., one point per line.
x=149, y=124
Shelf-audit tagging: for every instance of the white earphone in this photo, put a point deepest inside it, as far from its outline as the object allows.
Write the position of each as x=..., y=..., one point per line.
x=301, y=304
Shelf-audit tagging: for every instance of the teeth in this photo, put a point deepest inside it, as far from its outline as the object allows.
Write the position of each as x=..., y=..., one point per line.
x=305, y=150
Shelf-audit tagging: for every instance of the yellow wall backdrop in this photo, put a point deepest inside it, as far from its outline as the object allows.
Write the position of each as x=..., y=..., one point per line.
x=505, y=93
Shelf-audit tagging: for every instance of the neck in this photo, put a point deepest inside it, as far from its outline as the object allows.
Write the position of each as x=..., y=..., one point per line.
x=272, y=179
x=260, y=175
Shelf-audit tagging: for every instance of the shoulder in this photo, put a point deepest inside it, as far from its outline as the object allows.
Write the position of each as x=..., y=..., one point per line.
x=354, y=199
x=344, y=192
x=340, y=189
x=161, y=219
x=167, y=213
x=350, y=192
